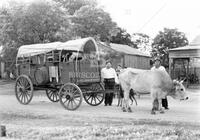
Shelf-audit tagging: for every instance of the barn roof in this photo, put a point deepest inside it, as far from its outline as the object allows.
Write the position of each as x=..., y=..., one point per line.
x=194, y=45
x=127, y=50
x=190, y=47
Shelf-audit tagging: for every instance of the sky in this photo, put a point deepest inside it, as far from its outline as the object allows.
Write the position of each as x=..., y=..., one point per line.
x=151, y=16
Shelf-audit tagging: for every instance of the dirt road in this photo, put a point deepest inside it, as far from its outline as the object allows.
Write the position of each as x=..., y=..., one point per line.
x=42, y=119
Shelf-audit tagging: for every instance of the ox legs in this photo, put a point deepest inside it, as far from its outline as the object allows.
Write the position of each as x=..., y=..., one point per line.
x=160, y=106
x=126, y=101
x=157, y=100
x=155, y=106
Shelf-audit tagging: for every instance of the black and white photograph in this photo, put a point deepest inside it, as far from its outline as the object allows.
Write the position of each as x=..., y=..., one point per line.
x=99, y=70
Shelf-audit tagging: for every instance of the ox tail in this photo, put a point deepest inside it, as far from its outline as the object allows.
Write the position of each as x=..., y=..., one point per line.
x=132, y=96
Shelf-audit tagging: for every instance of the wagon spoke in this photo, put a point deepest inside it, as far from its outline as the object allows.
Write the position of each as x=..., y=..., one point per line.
x=68, y=103
x=95, y=100
x=71, y=103
x=28, y=93
x=56, y=97
x=72, y=94
x=28, y=87
x=19, y=95
x=96, y=95
x=77, y=99
x=74, y=102
x=22, y=81
x=25, y=83
x=52, y=94
x=99, y=95
x=98, y=99
x=77, y=96
x=89, y=97
x=65, y=101
x=25, y=97
x=24, y=89
x=22, y=97
x=92, y=99
x=75, y=92
x=18, y=84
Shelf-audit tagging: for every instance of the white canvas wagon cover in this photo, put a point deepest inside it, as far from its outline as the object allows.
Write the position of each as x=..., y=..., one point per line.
x=81, y=45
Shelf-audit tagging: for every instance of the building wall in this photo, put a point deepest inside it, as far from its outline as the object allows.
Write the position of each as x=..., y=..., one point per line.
x=193, y=67
x=135, y=61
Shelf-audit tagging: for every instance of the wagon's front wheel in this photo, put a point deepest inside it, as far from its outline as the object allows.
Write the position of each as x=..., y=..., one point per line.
x=70, y=96
x=52, y=94
x=24, y=89
x=95, y=94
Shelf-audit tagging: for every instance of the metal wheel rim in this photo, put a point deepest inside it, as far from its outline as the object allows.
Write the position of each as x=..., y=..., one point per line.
x=70, y=96
x=95, y=99
x=24, y=89
x=53, y=95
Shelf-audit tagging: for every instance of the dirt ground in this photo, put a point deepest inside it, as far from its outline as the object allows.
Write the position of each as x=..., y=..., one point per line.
x=42, y=119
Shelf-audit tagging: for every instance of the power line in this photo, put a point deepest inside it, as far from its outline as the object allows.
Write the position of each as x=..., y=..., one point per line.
x=151, y=18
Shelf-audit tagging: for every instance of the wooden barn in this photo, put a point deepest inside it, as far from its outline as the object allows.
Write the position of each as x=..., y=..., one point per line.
x=127, y=56
x=184, y=62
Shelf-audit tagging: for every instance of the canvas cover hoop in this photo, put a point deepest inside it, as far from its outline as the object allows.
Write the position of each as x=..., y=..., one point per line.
x=85, y=45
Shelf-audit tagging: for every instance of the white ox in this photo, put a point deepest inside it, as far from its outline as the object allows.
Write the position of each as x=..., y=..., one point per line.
x=157, y=83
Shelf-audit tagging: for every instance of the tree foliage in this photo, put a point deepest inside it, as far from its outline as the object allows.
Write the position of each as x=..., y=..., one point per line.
x=38, y=22
x=122, y=37
x=74, y=5
x=57, y=20
x=143, y=42
x=93, y=21
x=165, y=40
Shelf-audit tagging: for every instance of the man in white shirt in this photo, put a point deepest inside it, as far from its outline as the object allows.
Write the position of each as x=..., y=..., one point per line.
x=109, y=78
x=157, y=66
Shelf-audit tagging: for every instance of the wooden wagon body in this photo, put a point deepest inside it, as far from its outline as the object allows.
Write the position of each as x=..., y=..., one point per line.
x=67, y=71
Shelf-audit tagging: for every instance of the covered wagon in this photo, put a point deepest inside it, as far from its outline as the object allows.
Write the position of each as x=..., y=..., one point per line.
x=68, y=72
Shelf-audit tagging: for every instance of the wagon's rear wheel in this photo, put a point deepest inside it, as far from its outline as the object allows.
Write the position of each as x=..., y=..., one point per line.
x=95, y=94
x=24, y=89
x=70, y=96
x=52, y=94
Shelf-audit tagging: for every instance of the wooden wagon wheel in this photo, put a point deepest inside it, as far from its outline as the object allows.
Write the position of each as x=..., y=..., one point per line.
x=52, y=94
x=70, y=96
x=95, y=94
x=24, y=89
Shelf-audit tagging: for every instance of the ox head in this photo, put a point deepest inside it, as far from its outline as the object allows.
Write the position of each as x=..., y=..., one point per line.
x=179, y=92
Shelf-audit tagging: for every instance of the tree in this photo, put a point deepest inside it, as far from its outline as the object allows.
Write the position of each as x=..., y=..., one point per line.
x=38, y=22
x=122, y=37
x=93, y=21
x=143, y=42
x=165, y=40
x=74, y=5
